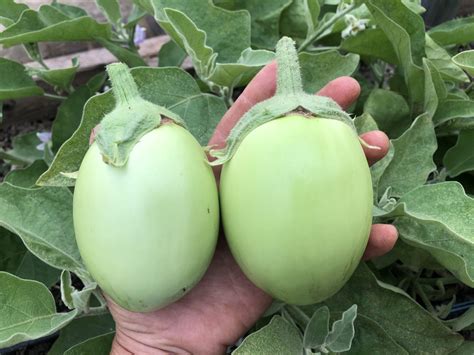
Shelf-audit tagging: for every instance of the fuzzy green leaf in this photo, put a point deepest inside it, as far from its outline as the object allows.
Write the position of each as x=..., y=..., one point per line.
x=405, y=30
x=28, y=311
x=111, y=10
x=453, y=108
x=98, y=345
x=458, y=31
x=265, y=17
x=317, y=329
x=372, y=43
x=171, y=55
x=210, y=19
x=460, y=158
x=404, y=326
x=26, y=177
x=61, y=78
x=319, y=69
x=410, y=168
x=438, y=220
x=24, y=151
x=442, y=61
x=19, y=261
x=11, y=12
x=389, y=110
x=278, y=337
x=15, y=82
x=43, y=220
x=465, y=60
x=80, y=330
x=49, y=23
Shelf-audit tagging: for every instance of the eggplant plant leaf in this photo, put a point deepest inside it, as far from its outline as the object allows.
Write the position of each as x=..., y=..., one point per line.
x=458, y=31
x=277, y=337
x=28, y=311
x=54, y=23
x=43, y=220
x=460, y=158
x=410, y=168
x=15, y=82
x=437, y=218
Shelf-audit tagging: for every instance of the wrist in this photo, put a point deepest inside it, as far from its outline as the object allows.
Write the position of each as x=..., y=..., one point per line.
x=124, y=345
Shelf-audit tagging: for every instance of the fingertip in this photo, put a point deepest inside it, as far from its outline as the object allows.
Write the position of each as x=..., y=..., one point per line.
x=377, y=139
x=382, y=239
x=344, y=90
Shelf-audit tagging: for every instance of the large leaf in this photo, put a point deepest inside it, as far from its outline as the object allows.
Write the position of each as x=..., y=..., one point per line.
x=43, y=220
x=265, y=18
x=60, y=78
x=11, y=12
x=372, y=43
x=412, y=161
x=460, y=158
x=438, y=219
x=99, y=345
x=111, y=10
x=203, y=57
x=442, y=61
x=241, y=72
x=389, y=110
x=465, y=60
x=277, y=337
x=26, y=177
x=123, y=54
x=405, y=30
x=172, y=88
x=227, y=32
x=51, y=24
x=81, y=329
x=24, y=150
x=171, y=55
x=388, y=315
x=19, y=261
x=318, y=69
x=293, y=21
x=28, y=311
x=453, y=108
x=15, y=82
x=458, y=31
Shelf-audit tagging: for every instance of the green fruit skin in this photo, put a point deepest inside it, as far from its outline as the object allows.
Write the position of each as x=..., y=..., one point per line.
x=147, y=231
x=296, y=203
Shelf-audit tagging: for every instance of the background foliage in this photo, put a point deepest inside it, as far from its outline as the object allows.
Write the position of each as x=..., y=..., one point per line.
x=416, y=86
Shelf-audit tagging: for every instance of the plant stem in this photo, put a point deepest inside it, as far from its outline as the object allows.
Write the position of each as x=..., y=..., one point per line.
x=56, y=97
x=124, y=87
x=424, y=298
x=316, y=35
x=289, y=80
x=40, y=61
x=297, y=315
x=94, y=311
x=445, y=280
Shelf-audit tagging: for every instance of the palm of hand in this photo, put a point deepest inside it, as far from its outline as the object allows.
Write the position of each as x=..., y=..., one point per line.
x=225, y=303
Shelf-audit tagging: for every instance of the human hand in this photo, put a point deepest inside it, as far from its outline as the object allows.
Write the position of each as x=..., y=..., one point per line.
x=225, y=304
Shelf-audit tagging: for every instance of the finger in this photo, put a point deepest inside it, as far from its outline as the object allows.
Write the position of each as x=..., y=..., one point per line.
x=381, y=240
x=378, y=139
x=261, y=87
x=344, y=90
